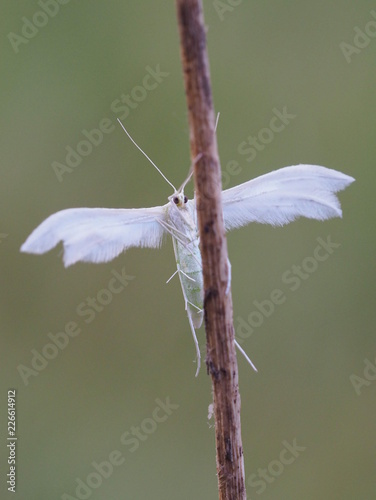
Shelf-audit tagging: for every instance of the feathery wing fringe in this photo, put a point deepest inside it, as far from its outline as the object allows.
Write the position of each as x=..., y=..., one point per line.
x=282, y=196
x=97, y=234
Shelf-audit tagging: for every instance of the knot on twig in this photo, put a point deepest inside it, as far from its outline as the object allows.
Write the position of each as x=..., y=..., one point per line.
x=217, y=373
x=208, y=227
x=210, y=294
x=214, y=372
x=228, y=447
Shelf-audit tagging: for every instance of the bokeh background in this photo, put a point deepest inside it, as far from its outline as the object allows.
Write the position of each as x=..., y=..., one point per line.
x=311, y=388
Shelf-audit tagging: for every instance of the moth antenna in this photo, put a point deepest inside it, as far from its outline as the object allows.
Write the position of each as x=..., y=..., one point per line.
x=198, y=157
x=143, y=152
x=190, y=172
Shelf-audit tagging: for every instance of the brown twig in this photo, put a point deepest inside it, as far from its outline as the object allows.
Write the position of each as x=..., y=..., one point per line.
x=221, y=357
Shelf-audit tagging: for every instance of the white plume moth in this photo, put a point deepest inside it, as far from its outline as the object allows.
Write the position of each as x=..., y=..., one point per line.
x=101, y=234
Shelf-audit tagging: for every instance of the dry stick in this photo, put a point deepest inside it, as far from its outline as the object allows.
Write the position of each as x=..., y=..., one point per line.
x=221, y=357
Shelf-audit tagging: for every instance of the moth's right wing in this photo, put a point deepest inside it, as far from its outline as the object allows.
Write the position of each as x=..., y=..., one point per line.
x=282, y=196
x=98, y=234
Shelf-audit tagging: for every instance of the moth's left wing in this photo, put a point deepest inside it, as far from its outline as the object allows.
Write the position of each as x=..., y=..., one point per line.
x=97, y=234
x=284, y=195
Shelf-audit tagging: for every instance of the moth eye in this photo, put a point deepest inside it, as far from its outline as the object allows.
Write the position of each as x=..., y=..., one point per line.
x=176, y=200
x=185, y=199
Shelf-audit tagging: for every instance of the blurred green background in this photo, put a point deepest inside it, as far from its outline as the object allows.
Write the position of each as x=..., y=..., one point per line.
x=68, y=78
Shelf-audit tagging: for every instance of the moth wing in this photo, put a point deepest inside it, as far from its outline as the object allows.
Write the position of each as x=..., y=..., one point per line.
x=97, y=234
x=282, y=196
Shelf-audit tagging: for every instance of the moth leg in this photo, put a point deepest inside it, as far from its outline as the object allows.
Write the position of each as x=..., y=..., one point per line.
x=194, y=305
x=245, y=355
x=186, y=275
x=198, y=354
x=173, y=231
x=199, y=310
x=178, y=270
x=170, y=278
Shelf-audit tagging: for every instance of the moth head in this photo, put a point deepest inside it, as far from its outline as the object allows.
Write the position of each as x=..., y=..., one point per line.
x=178, y=198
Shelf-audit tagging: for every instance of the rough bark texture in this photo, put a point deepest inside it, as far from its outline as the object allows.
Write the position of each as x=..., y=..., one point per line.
x=221, y=356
